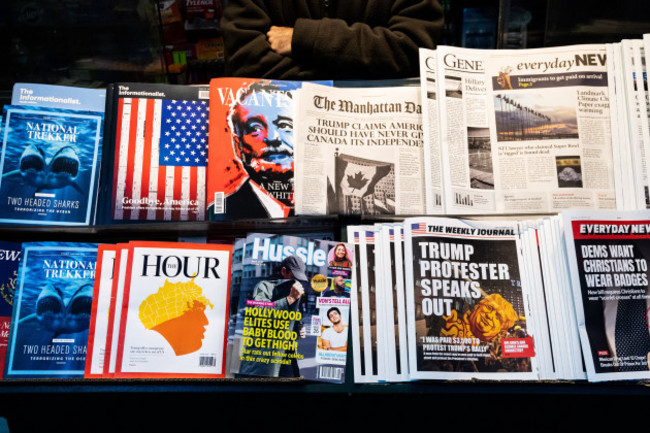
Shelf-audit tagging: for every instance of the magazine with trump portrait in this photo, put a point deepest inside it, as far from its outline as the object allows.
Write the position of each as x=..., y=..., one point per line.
x=175, y=310
x=294, y=308
x=251, y=148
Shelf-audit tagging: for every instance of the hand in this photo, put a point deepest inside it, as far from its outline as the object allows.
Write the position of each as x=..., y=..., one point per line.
x=296, y=292
x=280, y=39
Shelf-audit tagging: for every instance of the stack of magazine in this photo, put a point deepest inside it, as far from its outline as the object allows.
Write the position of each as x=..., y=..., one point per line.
x=556, y=298
x=51, y=155
x=293, y=308
x=561, y=132
x=142, y=309
x=152, y=309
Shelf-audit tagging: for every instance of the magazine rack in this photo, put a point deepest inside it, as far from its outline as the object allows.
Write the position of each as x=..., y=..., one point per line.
x=136, y=397
x=190, y=405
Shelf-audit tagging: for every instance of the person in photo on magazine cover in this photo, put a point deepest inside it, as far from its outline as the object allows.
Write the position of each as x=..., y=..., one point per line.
x=262, y=138
x=286, y=294
x=340, y=258
x=336, y=336
x=338, y=289
x=369, y=39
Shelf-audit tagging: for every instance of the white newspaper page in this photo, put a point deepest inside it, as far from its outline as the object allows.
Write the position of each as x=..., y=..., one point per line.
x=530, y=247
x=433, y=172
x=367, y=287
x=631, y=165
x=551, y=129
x=468, y=181
x=623, y=175
x=553, y=301
x=635, y=106
x=608, y=255
x=400, y=304
x=360, y=151
x=385, y=346
x=570, y=333
x=644, y=108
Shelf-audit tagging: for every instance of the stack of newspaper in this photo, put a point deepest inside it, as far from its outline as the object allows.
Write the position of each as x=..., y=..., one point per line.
x=447, y=298
x=444, y=298
x=608, y=256
x=525, y=131
x=629, y=119
x=530, y=131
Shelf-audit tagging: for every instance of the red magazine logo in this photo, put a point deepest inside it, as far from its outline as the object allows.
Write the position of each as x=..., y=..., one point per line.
x=603, y=353
x=517, y=347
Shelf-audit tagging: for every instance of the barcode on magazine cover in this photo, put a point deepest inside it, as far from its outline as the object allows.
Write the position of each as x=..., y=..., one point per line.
x=204, y=94
x=219, y=203
x=330, y=373
x=315, y=326
x=207, y=361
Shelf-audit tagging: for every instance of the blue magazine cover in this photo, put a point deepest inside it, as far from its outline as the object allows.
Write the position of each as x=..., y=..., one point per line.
x=50, y=165
x=54, y=96
x=51, y=315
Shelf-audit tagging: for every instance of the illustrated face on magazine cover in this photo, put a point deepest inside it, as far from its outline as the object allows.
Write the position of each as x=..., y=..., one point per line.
x=177, y=312
x=185, y=333
x=264, y=134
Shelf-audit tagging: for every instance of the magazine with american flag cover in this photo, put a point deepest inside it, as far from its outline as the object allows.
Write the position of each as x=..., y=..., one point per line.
x=159, y=148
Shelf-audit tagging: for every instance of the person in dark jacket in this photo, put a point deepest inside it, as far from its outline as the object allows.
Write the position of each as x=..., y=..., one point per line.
x=328, y=39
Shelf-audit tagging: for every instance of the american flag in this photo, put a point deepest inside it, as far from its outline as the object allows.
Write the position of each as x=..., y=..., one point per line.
x=161, y=158
x=419, y=229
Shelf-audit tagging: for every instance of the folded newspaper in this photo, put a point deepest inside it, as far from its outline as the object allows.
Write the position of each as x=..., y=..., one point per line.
x=361, y=151
x=525, y=131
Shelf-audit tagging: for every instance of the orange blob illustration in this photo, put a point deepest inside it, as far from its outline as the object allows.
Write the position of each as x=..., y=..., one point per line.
x=456, y=326
x=491, y=317
x=185, y=333
x=177, y=312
